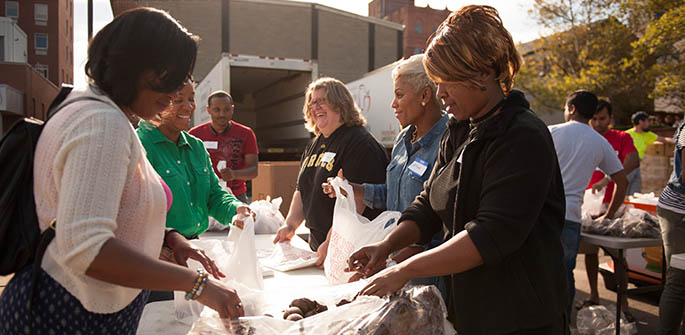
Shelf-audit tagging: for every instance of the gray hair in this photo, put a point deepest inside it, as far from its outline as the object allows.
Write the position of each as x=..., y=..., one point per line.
x=411, y=71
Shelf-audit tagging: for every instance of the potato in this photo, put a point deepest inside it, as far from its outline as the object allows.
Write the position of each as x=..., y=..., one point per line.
x=292, y=310
x=304, y=304
x=294, y=317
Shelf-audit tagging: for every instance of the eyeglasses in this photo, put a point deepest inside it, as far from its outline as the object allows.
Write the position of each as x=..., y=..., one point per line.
x=319, y=102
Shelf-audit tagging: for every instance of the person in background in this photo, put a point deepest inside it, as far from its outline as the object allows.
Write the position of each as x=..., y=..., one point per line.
x=413, y=155
x=229, y=141
x=642, y=138
x=671, y=212
x=624, y=148
x=341, y=142
x=495, y=187
x=109, y=204
x=580, y=151
x=184, y=164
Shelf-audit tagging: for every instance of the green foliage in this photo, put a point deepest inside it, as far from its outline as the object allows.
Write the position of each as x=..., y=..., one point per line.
x=595, y=46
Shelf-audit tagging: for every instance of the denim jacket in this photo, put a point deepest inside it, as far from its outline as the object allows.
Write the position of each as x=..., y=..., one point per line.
x=410, y=166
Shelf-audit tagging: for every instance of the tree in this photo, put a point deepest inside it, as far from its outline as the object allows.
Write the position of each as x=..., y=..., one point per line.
x=664, y=40
x=591, y=48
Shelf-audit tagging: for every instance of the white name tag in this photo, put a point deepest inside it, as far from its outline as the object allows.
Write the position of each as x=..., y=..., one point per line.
x=418, y=167
x=328, y=157
x=211, y=144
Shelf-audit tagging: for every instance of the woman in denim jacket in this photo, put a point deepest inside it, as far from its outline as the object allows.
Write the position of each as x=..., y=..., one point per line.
x=413, y=155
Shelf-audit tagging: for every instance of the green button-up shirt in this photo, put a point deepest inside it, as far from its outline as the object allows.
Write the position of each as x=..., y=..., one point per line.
x=187, y=170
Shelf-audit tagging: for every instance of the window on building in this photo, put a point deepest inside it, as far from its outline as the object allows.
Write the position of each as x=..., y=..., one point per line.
x=435, y=28
x=41, y=44
x=40, y=14
x=2, y=48
x=12, y=9
x=418, y=28
x=418, y=51
x=42, y=69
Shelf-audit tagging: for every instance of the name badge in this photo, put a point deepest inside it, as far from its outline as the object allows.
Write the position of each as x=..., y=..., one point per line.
x=328, y=157
x=211, y=144
x=418, y=167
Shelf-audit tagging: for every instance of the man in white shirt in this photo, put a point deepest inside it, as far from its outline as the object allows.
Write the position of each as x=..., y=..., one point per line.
x=580, y=150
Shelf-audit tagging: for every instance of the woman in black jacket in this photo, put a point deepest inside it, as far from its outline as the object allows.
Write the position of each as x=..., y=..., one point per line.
x=496, y=188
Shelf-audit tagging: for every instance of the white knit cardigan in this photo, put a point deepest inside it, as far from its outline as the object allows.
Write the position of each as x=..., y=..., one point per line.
x=91, y=174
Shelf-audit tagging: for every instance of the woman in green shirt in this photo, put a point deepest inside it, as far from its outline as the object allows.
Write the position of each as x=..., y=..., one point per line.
x=183, y=162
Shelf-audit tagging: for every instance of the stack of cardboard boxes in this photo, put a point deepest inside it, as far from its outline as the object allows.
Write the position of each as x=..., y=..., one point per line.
x=656, y=167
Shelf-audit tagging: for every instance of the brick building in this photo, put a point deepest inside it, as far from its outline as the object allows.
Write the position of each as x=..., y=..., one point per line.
x=345, y=45
x=49, y=28
x=419, y=22
x=36, y=56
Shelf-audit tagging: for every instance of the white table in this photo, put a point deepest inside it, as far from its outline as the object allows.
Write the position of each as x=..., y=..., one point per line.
x=615, y=247
x=159, y=317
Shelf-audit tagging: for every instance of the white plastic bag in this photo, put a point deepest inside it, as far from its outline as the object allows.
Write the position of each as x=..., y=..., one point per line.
x=237, y=258
x=269, y=218
x=351, y=231
x=242, y=265
x=592, y=202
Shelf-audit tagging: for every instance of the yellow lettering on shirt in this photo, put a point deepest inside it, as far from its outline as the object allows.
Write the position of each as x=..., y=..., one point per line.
x=329, y=166
x=318, y=161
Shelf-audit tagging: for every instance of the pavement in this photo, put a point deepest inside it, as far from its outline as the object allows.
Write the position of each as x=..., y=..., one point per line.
x=645, y=307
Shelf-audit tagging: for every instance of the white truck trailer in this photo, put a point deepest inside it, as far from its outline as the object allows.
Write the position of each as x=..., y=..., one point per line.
x=373, y=93
x=268, y=93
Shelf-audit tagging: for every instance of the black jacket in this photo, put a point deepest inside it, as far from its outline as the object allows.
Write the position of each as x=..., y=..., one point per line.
x=508, y=194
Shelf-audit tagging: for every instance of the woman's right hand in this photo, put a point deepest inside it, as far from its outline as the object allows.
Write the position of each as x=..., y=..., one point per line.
x=222, y=299
x=284, y=234
x=368, y=260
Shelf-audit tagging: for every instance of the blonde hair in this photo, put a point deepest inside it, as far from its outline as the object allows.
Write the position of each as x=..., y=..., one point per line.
x=470, y=43
x=338, y=98
x=411, y=70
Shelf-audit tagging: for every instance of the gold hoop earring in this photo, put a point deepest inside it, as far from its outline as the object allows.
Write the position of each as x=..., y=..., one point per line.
x=423, y=104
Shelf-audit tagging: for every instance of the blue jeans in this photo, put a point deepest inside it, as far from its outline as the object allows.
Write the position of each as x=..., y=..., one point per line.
x=672, y=302
x=570, y=240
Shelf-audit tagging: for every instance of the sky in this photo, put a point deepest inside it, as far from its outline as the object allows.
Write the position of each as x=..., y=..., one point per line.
x=514, y=14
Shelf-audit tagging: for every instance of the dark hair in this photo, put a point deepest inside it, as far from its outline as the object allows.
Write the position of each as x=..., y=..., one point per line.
x=219, y=94
x=585, y=103
x=601, y=104
x=137, y=42
x=639, y=116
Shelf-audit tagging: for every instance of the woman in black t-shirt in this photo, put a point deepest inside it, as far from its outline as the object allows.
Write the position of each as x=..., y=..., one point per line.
x=341, y=142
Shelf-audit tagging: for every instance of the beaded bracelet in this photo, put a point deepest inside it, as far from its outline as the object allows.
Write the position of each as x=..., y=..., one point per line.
x=199, y=285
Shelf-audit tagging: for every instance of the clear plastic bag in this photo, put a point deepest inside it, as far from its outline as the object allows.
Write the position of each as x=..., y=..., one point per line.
x=634, y=223
x=415, y=310
x=351, y=231
x=600, y=320
x=268, y=216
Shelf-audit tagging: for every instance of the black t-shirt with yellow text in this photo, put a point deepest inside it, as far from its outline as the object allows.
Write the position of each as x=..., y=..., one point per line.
x=362, y=159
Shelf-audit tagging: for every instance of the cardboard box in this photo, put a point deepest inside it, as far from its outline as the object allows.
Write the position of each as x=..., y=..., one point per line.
x=276, y=179
x=656, y=148
x=655, y=171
